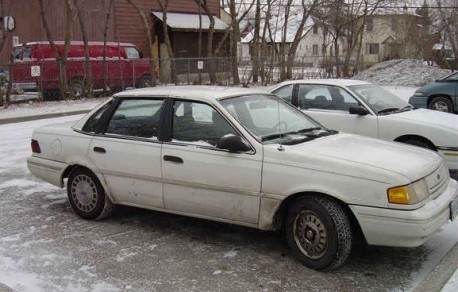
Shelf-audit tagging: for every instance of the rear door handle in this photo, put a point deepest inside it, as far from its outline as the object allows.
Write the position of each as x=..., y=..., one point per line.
x=173, y=159
x=99, y=149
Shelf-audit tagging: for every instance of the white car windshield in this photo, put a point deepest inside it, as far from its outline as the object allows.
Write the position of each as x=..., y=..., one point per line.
x=271, y=120
x=379, y=99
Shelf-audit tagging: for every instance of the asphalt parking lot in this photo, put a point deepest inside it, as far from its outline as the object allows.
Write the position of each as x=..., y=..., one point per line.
x=44, y=246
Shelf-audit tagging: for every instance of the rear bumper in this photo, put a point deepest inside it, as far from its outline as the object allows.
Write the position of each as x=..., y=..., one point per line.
x=26, y=86
x=47, y=170
x=406, y=228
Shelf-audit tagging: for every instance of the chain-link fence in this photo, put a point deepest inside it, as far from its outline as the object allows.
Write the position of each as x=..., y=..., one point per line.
x=46, y=79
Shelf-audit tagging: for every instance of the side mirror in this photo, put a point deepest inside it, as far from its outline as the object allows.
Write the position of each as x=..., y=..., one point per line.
x=358, y=110
x=232, y=143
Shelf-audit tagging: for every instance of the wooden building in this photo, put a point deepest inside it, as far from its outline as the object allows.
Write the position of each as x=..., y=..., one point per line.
x=124, y=24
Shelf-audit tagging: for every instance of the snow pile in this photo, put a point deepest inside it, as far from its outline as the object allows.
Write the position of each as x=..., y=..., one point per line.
x=403, y=72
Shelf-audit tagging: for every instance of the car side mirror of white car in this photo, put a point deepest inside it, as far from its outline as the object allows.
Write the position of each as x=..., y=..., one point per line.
x=232, y=143
x=358, y=110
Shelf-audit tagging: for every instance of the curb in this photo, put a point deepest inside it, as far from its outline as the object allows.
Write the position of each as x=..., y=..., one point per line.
x=40, y=117
x=441, y=274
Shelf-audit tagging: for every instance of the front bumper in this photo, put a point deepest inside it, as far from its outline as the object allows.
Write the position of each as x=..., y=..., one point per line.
x=419, y=101
x=406, y=228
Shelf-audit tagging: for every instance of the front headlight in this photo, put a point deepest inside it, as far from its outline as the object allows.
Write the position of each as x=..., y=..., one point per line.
x=410, y=194
x=419, y=93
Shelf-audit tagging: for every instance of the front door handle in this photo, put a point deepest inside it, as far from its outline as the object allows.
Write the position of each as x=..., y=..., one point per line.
x=173, y=159
x=99, y=149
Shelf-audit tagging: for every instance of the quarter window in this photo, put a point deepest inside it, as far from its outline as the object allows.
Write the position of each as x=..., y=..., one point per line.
x=285, y=92
x=136, y=118
x=93, y=122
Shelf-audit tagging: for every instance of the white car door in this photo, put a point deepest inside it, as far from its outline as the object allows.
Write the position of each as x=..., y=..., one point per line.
x=203, y=180
x=128, y=154
x=330, y=106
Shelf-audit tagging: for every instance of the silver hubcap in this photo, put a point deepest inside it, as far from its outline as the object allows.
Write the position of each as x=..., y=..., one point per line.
x=440, y=106
x=77, y=89
x=84, y=193
x=310, y=234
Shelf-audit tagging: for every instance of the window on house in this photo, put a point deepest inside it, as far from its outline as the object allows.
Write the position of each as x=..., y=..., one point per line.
x=315, y=50
x=315, y=29
x=369, y=24
x=323, y=49
x=372, y=49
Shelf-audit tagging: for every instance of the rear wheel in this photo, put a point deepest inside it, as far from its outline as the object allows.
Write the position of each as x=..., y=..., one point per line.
x=145, y=81
x=76, y=87
x=318, y=232
x=87, y=196
x=442, y=104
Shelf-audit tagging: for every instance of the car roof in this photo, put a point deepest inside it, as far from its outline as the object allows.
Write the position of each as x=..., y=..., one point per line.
x=196, y=92
x=339, y=82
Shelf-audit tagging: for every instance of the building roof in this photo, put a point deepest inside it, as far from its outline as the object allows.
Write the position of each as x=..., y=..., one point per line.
x=186, y=21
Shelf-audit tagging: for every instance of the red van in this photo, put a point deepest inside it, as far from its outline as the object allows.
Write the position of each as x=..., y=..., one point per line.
x=35, y=67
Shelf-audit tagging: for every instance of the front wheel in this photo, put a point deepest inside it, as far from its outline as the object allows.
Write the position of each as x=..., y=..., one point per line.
x=442, y=104
x=319, y=233
x=145, y=81
x=76, y=88
x=87, y=196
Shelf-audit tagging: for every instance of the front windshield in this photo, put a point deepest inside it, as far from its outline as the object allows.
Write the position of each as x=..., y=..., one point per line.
x=379, y=99
x=271, y=120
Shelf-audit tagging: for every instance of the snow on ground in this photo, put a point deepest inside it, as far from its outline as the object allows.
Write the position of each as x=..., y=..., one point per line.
x=404, y=72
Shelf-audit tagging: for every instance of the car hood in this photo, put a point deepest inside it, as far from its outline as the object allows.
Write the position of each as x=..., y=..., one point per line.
x=429, y=117
x=358, y=156
x=431, y=87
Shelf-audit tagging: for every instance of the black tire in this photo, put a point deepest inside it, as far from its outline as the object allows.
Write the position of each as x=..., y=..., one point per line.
x=442, y=104
x=418, y=142
x=77, y=88
x=51, y=94
x=145, y=81
x=319, y=233
x=87, y=196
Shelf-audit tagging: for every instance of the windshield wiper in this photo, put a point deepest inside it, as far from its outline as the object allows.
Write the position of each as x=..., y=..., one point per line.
x=408, y=107
x=309, y=130
x=388, y=110
x=275, y=136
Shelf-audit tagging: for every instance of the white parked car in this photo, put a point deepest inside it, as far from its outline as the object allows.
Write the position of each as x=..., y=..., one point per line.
x=367, y=109
x=246, y=157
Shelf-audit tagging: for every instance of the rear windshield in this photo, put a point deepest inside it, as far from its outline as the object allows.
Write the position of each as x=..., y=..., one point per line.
x=132, y=53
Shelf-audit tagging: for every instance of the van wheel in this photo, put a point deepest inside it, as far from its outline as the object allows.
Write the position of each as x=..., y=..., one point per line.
x=77, y=88
x=319, y=233
x=442, y=104
x=145, y=81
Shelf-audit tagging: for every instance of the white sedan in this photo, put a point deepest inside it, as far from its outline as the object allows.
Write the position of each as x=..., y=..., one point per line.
x=367, y=109
x=246, y=157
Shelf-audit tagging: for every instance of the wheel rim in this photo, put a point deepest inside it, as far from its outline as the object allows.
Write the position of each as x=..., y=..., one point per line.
x=77, y=89
x=440, y=106
x=310, y=234
x=146, y=82
x=84, y=193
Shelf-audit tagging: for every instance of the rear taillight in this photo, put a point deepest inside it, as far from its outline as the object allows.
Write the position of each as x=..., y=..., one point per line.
x=35, y=146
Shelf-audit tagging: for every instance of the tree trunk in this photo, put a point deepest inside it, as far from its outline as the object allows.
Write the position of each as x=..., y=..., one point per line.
x=255, y=51
x=211, y=30
x=149, y=44
x=68, y=38
x=87, y=61
x=104, y=54
x=164, y=6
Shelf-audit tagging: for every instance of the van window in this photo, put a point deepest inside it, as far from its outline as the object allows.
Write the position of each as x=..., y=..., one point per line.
x=132, y=53
x=18, y=54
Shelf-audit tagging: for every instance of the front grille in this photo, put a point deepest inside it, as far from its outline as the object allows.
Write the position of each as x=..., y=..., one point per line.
x=437, y=181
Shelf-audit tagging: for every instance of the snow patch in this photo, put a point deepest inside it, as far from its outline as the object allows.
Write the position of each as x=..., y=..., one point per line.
x=230, y=254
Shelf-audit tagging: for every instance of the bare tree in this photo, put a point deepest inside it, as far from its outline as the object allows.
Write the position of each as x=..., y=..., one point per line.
x=306, y=12
x=61, y=59
x=211, y=29
x=164, y=4
x=87, y=61
x=149, y=44
x=449, y=21
x=3, y=36
x=105, y=37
